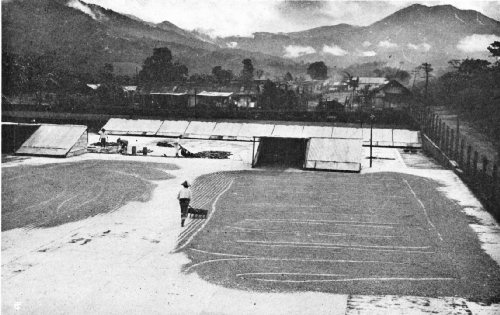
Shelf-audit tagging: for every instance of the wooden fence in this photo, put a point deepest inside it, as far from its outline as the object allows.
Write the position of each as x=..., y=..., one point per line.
x=454, y=150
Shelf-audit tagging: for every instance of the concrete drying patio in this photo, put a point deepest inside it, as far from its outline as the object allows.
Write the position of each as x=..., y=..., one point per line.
x=124, y=261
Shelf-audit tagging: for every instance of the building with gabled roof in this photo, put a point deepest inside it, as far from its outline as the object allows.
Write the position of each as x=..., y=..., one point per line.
x=391, y=95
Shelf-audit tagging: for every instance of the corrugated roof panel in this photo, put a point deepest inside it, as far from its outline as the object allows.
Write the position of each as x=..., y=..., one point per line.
x=406, y=137
x=173, y=128
x=227, y=129
x=248, y=131
x=347, y=133
x=215, y=94
x=288, y=131
x=336, y=154
x=382, y=137
x=54, y=140
x=317, y=131
x=200, y=128
x=168, y=93
x=133, y=126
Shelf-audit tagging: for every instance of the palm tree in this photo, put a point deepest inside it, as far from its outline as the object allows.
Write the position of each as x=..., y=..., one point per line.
x=354, y=83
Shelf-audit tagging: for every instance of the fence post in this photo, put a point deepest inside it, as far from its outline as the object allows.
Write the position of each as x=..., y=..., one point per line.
x=443, y=134
x=485, y=165
x=436, y=128
x=433, y=127
x=429, y=121
x=447, y=140
x=452, y=144
x=469, y=153
x=457, y=133
x=461, y=154
x=474, y=163
x=438, y=132
x=494, y=178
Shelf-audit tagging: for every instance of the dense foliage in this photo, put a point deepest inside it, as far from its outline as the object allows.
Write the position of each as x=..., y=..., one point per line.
x=159, y=68
x=472, y=88
x=318, y=70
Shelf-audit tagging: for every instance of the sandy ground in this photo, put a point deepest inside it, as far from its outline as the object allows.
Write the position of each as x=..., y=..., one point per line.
x=128, y=266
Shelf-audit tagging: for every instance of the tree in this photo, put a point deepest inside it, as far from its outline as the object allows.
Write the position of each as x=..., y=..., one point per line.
x=317, y=70
x=109, y=91
x=352, y=82
x=427, y=68
x=247, y=72
x=259, y=73
x=288, y=77
x=222, y=76
x=14, y=74
x=269, y=95
x=106, y=73
x=160, y=68
x=470, y=66
x=494, y=49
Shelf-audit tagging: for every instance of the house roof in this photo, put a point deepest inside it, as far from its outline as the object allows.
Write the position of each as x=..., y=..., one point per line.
x=215, y=94
x=372, y=80
x=93, y=86
x=393, y=84
x=129, y=88
x=209, y=90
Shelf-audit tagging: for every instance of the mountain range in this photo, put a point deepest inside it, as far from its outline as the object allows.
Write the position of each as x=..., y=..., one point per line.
x=410, y=36
x=86, y=36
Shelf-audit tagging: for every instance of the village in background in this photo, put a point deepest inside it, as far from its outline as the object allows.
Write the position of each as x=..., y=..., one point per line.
x=107, y=63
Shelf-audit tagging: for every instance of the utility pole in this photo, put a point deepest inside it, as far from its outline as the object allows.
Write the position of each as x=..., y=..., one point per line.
x=371, y=137
x=427, y=67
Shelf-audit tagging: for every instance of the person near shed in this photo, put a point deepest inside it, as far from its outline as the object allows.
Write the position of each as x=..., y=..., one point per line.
x=123, y=144
x=177, y=145
x=103, y=136
x=184, y=197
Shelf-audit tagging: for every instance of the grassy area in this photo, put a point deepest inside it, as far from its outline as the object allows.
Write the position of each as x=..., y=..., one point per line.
x=383, y=233
x=53, y=194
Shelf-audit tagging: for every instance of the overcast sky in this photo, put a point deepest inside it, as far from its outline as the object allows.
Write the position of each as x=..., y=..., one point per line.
x=244, y=17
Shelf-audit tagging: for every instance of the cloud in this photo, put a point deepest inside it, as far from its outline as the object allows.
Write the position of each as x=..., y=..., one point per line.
x=387, y=44
x=334, y=50
x=366, y=44
x=476, y=42
x=293, y=51
x=369, y=53
x=244, y=17
x=75, y=4
x=422, y=46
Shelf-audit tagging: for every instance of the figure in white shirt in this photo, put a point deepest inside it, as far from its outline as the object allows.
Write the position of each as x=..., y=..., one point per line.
x=103, y=136
x=184, y=197
x=177, y=145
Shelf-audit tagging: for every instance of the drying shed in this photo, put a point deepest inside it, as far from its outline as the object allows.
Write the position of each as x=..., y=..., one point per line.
x=56, y=140
x=334, y=154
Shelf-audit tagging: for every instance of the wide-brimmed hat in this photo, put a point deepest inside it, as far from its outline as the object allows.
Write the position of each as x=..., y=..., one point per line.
x=185, y=183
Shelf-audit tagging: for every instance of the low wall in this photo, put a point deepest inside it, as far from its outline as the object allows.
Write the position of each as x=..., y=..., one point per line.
x=430, y=148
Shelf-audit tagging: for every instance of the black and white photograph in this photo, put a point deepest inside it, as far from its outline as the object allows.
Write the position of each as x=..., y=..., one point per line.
x=250, y=157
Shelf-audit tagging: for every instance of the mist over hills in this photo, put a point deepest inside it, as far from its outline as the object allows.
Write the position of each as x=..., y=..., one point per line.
x=85, y=36
x=410, y=36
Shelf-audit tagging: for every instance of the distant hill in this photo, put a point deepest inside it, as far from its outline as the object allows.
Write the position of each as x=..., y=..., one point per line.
x=410, y=36
x=85, y=36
